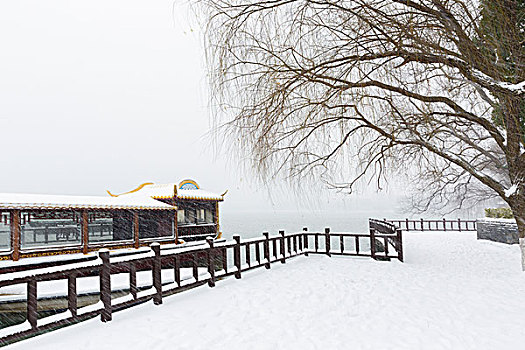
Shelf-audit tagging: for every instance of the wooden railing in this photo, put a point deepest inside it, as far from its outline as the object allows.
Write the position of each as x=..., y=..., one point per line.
x=218, y=260
x=392, y=235
x=434, y=225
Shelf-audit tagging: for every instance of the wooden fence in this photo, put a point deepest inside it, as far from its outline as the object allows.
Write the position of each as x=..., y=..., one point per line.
x=219, y=260
x=434, y=225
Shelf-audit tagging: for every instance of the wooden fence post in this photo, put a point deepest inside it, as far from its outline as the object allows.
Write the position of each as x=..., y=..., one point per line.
x=195, y=261
x=305, y=238
x=274, y=248
x=211, y=262
x=444, y=224
x=15, y=234
x=157, y=273
x=85, y=231
x=224, y=258
x=176, y=270
x=136, y=239
x=133, y=280
x=400, y=245
x=373, y=243
x=72, y=294
x=105, y=285
x=32, y=304
x=459, y=224
x=266, y=250
x=258, y=253
x=237, y=256
x=282, y=248
x=407, y=223
x=327, y=241
x=422, y=228
x=247, y=255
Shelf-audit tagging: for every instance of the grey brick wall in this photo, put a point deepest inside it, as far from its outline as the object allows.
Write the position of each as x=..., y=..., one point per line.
x=503, y=231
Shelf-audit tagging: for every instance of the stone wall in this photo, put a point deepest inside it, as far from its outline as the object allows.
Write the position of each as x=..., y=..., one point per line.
x=498, y=230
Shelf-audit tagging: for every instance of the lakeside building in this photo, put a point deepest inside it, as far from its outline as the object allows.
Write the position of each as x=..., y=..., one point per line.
x=33, y=225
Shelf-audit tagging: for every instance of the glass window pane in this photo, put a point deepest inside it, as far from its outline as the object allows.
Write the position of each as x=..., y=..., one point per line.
x=5, y=231
x=100, y=226
x=180, y=216
x=201, y=216
x=190, y=216
x=108, y=226
x=209, y=216
x=49, y=228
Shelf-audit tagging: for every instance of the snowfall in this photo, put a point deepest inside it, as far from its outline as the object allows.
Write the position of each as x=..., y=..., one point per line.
x=453, y=292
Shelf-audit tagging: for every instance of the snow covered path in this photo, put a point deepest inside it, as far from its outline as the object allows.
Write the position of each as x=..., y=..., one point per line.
x=453, y=292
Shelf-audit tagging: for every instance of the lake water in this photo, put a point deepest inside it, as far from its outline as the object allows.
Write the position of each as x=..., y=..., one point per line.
x=253, y=224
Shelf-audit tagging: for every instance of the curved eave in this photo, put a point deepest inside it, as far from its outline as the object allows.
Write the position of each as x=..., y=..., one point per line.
x=162, y=197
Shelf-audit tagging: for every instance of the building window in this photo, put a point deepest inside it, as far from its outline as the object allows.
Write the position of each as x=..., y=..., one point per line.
x=50, y=228
x=195, y=213
x=201, y=216
x=109, y=226
x=180, y=216
x=5, y=231
x=190, y=216
x=100, y=226
x=209, y=217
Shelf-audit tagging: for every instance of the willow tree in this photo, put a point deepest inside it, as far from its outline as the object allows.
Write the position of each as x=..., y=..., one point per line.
x=361, y=89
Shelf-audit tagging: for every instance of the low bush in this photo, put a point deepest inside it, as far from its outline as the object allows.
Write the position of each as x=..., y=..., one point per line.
x=499, y=213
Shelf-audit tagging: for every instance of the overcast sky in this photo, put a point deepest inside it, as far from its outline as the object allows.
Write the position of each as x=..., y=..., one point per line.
x=108, y=94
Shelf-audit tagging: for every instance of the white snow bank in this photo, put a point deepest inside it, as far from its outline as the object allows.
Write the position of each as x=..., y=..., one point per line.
x=510, y=221
x=453, y=292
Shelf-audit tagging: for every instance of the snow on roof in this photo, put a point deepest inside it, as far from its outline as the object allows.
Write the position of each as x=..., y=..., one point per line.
x=198, y=194
x=45, y=201
x=169, y=190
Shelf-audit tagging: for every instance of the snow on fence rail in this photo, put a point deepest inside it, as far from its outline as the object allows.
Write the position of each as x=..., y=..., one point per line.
x=247, y=255
x=434, y=225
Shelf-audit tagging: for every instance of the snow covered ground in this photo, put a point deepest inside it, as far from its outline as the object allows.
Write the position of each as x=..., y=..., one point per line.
x=453, y=292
